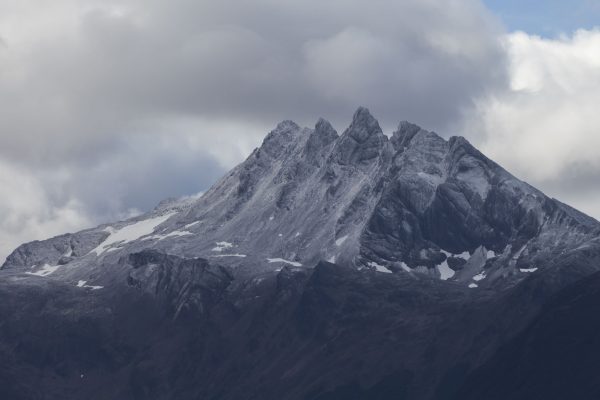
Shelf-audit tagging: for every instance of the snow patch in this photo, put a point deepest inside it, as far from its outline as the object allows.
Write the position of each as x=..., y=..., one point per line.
x=341, y=240
x=83, y=284
x=379, y=267
x=281, y=260
x=297, y=234
x=271, y=218
x=222, y=246
x=46, y=270
x=465, y=255
x=473, y=285
x=405, y=267
x=528, y=269
x=228, y=255
x=130, y=232
x=518, y=253
x=490, y=254
x=192, y=224
x=479, y=277
x=445, y=271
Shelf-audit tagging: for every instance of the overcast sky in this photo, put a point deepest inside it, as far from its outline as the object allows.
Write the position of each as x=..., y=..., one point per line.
x=109, y=106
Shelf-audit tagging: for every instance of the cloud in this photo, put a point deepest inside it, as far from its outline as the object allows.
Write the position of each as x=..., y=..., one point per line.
x=77, y=74
x=37, y=203
x=546, y=125
x=26, y=211
x=108, y=106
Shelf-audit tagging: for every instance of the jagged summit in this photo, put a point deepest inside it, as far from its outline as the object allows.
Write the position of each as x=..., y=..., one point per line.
x=363, y=133
x=325, y=132
x=286, y=126
x=403, y=135
x=415, y=204
x=363, y=126
x=319, y=140
x=362, y=142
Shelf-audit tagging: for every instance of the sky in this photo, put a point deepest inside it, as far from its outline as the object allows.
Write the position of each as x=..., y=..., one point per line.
x=109, y=106
x=548, y=18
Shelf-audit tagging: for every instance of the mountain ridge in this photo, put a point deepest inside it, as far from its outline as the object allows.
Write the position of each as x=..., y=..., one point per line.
x=414, y=202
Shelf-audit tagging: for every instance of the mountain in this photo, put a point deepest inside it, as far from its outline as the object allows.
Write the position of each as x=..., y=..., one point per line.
x=324, y=266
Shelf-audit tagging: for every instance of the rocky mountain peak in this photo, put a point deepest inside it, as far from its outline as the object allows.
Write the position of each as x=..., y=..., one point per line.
x=324, y=130
x=280, y=138
x=286, y=126
x=459, y=143
x=362, y=142
x=319, y=141
x=363, y=126
x=405, y=132
x=411, y=135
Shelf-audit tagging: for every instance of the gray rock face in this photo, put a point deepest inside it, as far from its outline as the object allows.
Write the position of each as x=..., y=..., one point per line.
x=65, y=247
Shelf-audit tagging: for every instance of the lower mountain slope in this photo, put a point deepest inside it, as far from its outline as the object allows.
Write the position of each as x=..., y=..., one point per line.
x=176, y=328
x=555, y=357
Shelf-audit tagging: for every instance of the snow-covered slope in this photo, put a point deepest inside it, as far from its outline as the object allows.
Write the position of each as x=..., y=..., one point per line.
x=414, y=203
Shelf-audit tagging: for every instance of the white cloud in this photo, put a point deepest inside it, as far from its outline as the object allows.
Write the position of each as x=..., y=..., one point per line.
x=546, y=126
x=27, y=213
x=141, y=170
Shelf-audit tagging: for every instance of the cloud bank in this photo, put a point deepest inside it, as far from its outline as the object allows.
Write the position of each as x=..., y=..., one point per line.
x=546, y=126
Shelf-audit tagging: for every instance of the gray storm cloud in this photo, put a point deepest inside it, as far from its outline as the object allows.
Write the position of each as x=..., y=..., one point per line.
x=111, y=64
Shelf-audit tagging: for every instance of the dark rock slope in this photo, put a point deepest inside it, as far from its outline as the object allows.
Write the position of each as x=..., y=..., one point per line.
x=555, y=357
